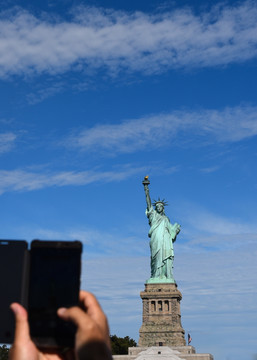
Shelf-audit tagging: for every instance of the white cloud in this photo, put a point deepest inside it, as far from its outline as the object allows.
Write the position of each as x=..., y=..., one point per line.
x=7, y=141
x=136, y=41
x=227, y=125
x=129, y=136
x=21, y=180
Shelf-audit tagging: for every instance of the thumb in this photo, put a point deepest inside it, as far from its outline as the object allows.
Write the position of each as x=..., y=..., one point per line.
x=21, y=323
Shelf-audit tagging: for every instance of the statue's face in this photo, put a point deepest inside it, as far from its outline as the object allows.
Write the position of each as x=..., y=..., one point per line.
x=159, y=208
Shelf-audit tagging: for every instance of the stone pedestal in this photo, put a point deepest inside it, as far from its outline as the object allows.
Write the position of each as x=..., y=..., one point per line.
x=161, y=316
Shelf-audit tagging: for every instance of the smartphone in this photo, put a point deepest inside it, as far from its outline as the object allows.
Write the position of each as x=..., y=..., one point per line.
x=54, y=282
x=13, y=266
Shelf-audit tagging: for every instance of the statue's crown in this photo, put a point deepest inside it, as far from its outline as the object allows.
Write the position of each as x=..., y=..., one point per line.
x=159, y=201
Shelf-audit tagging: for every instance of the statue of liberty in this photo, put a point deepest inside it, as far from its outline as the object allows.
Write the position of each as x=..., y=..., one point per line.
x=162, y=236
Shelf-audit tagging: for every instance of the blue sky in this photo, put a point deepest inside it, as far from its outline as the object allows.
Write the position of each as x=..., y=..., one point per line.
x=97, y=94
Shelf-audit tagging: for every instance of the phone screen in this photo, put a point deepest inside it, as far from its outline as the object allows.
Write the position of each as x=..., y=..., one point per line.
x=54, y=282
x=12, y=272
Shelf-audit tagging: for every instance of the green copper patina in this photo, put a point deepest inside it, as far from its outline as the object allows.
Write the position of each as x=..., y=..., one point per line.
x=163, y=235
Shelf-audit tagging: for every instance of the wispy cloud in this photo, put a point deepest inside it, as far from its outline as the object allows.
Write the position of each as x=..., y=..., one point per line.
x=44, y=93
x=22, y=180
x=115, y=40
x=7, y=141
x=206, y=222
x=228, y=125
x=210, y=169
x=204, y=230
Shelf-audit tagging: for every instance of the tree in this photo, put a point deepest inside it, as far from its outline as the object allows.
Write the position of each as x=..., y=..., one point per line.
x=120, y=345
x=4, y=352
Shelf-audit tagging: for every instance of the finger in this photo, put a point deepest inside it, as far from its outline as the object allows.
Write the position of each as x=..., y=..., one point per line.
x=94, y=310
x=96, y=313
x=21, y=323
x=74, y=314
x=91, y=304
x=88, y=330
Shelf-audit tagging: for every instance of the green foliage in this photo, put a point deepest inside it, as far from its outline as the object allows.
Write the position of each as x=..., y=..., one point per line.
x=4, y=352
x=120, y=345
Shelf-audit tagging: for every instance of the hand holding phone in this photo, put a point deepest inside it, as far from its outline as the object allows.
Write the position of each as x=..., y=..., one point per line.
x=91, y=322
x=92, y=336
x=42, y=279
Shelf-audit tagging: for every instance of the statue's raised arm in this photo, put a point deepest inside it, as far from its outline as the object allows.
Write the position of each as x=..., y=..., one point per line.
x=146, y=182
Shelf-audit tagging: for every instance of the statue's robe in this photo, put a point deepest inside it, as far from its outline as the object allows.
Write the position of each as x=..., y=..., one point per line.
x=162, y=234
